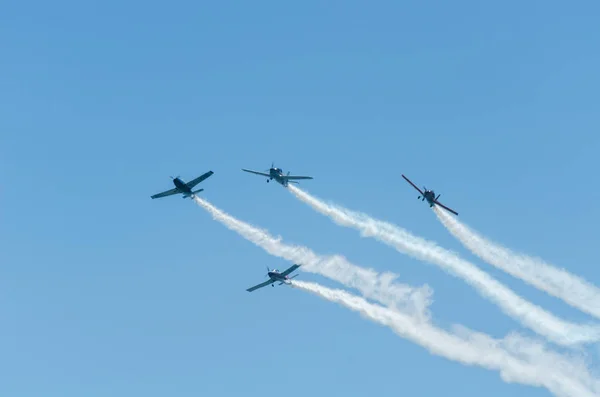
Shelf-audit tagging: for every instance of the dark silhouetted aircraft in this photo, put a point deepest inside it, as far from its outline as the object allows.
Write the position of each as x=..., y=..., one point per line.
x=277, y=174
x=429, y=195
x=184, y=188
x=274, y=276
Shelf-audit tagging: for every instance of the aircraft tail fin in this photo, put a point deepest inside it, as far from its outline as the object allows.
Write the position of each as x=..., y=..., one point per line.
x=197, y=191
x=290, y=181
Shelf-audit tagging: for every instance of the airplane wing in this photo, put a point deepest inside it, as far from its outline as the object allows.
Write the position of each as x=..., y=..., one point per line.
x=261, y=285
x=196, y=181
x=296, y=177
x=255, y=172
x=446, y=208
x=165, y=194
x=413, y=185
x=291, y=269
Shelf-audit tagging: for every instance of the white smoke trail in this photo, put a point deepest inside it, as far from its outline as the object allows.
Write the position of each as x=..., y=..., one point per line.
x=559, y=283
x=530, y=315
x=350, y=274
x=373, y=285
x=518, y=360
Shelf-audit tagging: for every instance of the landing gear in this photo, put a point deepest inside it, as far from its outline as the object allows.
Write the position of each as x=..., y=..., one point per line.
x=267, y=181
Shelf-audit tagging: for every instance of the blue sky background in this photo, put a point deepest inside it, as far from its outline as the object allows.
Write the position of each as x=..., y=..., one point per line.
x=106, y=292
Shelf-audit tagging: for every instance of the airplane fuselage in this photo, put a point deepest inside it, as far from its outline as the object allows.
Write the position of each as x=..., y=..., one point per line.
x=277, y=173
x=429, y=195
x=278, y=277
x=182, y=187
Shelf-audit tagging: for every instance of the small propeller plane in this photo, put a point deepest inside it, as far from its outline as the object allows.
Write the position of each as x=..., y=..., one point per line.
x=184, y=188
x=274, y=276
x=277, y=174
x=429, y=195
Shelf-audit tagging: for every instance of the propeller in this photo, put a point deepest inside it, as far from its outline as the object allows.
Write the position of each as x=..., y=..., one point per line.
x=175, y=177
x=272, y=166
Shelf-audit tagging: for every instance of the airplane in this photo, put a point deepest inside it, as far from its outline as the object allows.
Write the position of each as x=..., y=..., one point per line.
x=184, y=188
x=429, y=195
x=277, y=174
x=274, y=276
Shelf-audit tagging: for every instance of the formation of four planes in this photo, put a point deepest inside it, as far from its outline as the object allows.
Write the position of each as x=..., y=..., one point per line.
x=274, y=173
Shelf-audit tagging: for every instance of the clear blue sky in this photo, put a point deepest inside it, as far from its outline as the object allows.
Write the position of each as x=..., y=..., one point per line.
x=104, y=291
